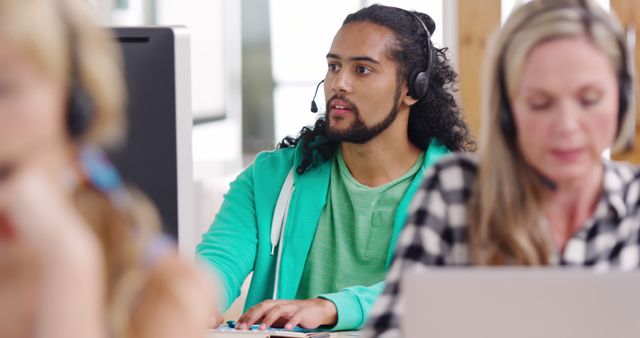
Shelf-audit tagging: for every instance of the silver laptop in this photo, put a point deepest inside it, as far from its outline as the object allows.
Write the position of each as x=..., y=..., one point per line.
x=520, y=303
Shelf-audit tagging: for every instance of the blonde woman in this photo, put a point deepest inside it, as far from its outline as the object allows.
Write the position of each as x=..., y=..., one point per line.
x=80, y=254
x=538, y=192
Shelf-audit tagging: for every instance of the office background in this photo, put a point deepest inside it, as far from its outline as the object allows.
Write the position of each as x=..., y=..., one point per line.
x=255, y=65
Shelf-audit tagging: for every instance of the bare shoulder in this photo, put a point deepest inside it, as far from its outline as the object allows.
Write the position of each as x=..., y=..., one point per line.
x=175, y=301
x=174, y=270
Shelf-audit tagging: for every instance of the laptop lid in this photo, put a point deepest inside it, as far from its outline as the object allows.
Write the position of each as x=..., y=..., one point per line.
x=520, y=302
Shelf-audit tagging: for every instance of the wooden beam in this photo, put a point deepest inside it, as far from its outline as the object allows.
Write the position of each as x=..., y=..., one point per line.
x=629, y=13
x=477, y=20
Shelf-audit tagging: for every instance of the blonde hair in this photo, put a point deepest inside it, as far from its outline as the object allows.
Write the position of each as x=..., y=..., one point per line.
x=43, y=29
x=506, y=203
x=123, y=234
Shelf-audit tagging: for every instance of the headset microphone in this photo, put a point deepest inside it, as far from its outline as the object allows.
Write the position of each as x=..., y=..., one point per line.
x=314, y=107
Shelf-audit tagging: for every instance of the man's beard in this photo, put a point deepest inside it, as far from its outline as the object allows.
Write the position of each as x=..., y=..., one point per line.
x=358, y=132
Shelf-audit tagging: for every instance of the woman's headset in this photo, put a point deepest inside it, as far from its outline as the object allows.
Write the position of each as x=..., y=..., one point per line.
x=80, y=105
x=95, y=168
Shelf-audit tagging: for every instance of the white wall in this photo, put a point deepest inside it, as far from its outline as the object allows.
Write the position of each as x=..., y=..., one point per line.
x=102, y=10
x=205, y=20
x=301, y=34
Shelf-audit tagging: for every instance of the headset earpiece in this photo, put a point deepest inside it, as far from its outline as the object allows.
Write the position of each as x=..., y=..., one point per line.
x=626, y=88
x=507, y=124
x=80, y=106
x=79, y=111
x=418, y=84
x=419, y=79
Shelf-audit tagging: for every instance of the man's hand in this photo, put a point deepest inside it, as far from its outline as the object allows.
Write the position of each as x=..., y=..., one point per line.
x=308, y=313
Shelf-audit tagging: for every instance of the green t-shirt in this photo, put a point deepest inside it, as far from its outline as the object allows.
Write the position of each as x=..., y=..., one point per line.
x=352, y=239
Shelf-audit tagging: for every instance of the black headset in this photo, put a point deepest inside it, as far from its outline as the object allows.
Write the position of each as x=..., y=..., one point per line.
x=80, y=105
x=507, y=124
x=419, y=79
x=314, y=106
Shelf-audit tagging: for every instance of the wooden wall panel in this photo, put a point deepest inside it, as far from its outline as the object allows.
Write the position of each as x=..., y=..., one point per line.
x=477, y=20
x=629, y=13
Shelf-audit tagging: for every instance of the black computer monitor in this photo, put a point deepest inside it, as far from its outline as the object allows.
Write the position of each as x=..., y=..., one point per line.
x=157, y=155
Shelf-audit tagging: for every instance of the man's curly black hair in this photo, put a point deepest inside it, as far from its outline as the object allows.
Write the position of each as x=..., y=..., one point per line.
x=435, y=115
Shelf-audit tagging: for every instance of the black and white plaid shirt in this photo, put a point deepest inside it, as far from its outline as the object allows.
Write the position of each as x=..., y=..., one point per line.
x=436, y=231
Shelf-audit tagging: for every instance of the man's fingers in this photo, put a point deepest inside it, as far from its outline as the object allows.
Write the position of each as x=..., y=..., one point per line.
x=305, y=313
x=254, y=314
x=274, y=314
x=295, y=320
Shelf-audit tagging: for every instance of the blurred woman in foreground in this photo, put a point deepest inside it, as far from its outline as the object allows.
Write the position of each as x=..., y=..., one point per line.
x=81, y=255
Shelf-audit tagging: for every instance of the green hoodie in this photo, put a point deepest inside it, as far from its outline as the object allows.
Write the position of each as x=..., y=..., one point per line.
x=238, y=241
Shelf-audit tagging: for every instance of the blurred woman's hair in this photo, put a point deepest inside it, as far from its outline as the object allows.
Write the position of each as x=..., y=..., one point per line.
x=49, y=32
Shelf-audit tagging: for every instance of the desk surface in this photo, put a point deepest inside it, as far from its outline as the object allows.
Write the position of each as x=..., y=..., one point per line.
x=219, y=334
x=346, y=334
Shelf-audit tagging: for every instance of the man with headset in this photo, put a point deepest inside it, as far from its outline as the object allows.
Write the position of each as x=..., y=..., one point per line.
x=317, y=220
